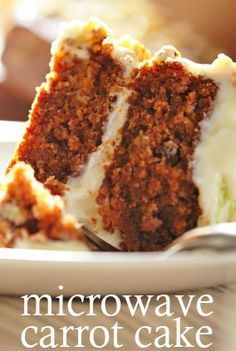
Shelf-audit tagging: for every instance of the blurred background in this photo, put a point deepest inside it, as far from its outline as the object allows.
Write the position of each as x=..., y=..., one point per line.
x=200, y=29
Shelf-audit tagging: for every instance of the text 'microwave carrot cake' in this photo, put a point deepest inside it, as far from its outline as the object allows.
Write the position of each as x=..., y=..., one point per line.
x=140, y=148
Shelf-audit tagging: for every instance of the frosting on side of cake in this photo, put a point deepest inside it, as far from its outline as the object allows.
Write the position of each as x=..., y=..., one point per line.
x=215, y=157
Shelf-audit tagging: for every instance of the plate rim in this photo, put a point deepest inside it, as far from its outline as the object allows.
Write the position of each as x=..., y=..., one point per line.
x=41, y=255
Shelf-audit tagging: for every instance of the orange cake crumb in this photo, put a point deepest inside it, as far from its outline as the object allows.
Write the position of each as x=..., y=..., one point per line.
x=148, y=191
x=69, y=113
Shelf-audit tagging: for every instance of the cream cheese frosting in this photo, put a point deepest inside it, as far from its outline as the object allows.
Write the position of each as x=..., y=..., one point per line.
x=214, y=170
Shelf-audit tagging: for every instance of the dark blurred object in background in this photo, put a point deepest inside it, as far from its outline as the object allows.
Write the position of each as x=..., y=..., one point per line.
x=26, y=58
x=12, y=106
x=31, y=26
x=213, y=19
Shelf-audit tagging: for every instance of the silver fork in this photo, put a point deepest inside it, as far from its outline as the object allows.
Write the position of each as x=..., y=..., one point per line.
x=218, y=237
x=96, y=241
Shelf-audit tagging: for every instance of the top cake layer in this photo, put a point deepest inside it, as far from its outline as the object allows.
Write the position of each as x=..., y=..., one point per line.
x=126, y=138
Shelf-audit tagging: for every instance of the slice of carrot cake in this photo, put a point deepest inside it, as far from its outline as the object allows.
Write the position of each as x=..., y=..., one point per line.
x=140, y=147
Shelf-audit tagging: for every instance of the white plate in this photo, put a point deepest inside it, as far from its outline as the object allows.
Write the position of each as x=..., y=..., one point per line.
x=41, y=271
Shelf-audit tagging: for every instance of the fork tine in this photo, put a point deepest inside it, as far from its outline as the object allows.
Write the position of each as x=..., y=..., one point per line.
x=101, y=244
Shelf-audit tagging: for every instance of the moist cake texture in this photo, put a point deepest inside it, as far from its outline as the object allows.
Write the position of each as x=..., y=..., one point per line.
x=126, y=138
x=71, y=109
x=148, y=191
x=29, y=212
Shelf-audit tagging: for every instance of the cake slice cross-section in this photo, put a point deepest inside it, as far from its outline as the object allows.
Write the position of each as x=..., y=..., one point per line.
x=140, y=148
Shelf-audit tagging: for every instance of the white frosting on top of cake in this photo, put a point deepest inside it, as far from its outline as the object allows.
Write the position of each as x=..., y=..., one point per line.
x=80, y=31
x=128, y=51
x=76, y=37
x=76, y=28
